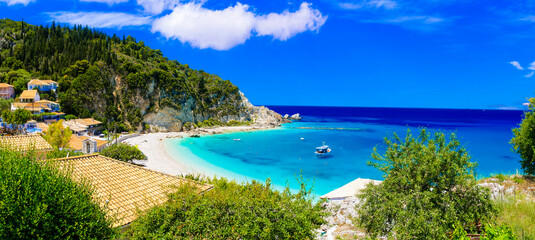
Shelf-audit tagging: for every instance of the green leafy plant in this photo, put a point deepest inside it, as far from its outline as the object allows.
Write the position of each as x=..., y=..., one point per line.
x=429, y=186
x=500, y=177
x=57, y=135
x=39, y=202
x=498, y=233
x=232, y=211
x=123, y=152
x=524, y=139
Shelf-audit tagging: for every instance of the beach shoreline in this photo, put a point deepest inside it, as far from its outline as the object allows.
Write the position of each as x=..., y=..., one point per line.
x=159, y=157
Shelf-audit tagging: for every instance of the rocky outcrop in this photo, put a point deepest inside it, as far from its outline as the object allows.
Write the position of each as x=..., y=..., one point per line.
x=296, y=116
x=170, y=119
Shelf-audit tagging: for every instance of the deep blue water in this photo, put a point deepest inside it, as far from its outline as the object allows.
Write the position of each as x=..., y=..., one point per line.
x=280, y=154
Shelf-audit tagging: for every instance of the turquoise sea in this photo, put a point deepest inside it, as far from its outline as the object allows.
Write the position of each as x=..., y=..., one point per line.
x=280, y=154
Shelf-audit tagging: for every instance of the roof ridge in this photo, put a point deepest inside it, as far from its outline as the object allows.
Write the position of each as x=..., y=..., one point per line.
x=129, y=165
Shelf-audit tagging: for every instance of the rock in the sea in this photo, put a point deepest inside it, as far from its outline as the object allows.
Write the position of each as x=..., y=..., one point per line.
x=286, y=116
x=296, y=116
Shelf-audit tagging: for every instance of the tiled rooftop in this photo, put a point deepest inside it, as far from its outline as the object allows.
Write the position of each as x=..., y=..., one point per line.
x=25, y=143
x=28, y=94
x=121, y=187
x=40, y=82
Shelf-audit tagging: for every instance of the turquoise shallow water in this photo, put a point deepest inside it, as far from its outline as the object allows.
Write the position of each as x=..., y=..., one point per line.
x=281, y=155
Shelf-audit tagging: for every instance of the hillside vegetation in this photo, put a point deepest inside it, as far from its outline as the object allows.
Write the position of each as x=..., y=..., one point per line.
x=114, y=78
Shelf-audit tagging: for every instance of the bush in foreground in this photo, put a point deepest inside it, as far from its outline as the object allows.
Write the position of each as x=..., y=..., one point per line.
x=39, y=202
x=518, y=212
x=524, y=140
x=123, y=152
x=429, y=187
x=232, y=211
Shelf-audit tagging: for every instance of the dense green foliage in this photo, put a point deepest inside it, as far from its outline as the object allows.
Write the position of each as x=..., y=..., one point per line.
x=5, y=104
x=524, y=140
x=56, y=153
x=231, y=211
x=39, y=202
x=211, y=122
x=123, y=152
x=16, y=118
x=490, y=233
x=428, y=186
x=109, y=78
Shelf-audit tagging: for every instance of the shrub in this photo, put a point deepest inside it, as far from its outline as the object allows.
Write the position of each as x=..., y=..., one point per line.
x=57, y=135
x=500, y=177
x=70, y=117
x=490, y=233
x=429, y=187
x=39, y=202
x=524, y=140
x=232, y=211
x=123, y=152
x=519, y=213
x=56, y=153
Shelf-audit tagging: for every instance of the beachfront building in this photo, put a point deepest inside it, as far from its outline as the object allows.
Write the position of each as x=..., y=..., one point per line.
x=7, y=91
x=84, y=126
x=43, y=85
x=24, y=143
x=121, y=188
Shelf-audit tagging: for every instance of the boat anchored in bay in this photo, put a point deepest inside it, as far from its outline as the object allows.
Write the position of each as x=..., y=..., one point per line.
x=322, y=151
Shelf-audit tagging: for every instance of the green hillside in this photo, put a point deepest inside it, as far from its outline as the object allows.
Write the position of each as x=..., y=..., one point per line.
x=113, y=78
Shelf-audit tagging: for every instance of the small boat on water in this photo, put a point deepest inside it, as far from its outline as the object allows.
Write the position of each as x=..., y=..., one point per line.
x=237, y=139
x=324, y=150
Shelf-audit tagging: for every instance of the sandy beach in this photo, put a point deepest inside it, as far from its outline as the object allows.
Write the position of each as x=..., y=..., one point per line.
x=158, y=159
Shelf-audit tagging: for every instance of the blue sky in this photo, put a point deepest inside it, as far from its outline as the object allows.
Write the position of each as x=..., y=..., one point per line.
x=373, y=53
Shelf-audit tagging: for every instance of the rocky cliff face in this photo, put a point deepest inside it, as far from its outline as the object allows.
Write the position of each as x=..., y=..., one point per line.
x=170, y=119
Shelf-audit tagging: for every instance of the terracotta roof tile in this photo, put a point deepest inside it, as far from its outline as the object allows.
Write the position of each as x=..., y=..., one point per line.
x=40, y=82
x=121, y=187
x=28, y=94
x=25, y=143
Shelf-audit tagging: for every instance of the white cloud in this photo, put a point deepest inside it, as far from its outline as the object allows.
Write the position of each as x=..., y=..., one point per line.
x=420, y=19
x=204, y=28
x=157, y=6
x=531, y=66
x=517, y=65
x=100, y=19
x=13, y=2
x=386, y=4
x=224, y=29
x=109, y=2
x=529, y=18
x=288, y=24
x=529, y=74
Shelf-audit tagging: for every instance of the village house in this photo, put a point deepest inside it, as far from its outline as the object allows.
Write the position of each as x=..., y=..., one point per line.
x=31, y=101
x=29, y=96
x=43, y=85
x=121, y=188
x=86, y=144
x=7, y=91
x=84, y=126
